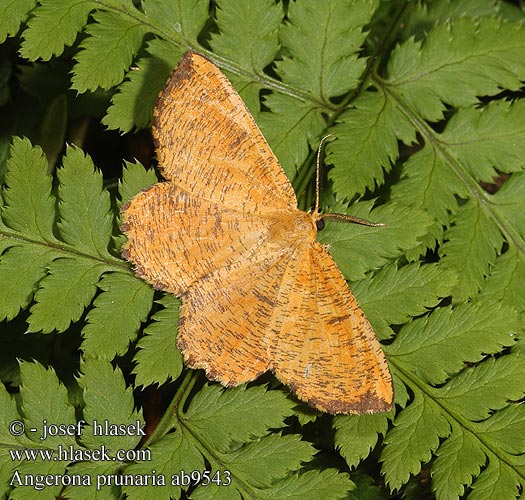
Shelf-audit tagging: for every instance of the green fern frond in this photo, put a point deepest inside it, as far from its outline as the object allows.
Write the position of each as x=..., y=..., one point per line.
x=463, y=402
x=255, y=26
x=118, y=38
x=471, y=247
x=368, y=133
x=398, y=294
x=50, y=396
x=373, y=247
x=450, y=67
x=132, y=106
x=53, y=25
x=98, y=380
x=356, y=437
x=488, y=137
x=258, y=468
x=117, y=315
x=465, y=333
x=324, y=62
x=415, y=436
x=12, y=14
x=28, y=205
x=88, y=229
x=506, y=279
x=183, y=20
x=60, y=248
x=63, y=294
x=458, y=62
x=290, y=128
x=159, y=342
x=47, y=404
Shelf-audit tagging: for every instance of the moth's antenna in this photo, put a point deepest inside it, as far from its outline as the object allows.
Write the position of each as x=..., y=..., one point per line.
x=318, y=173
x=341, y=217
x=353, y=219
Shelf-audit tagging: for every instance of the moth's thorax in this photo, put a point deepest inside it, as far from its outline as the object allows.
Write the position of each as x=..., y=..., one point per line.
x=292, y=228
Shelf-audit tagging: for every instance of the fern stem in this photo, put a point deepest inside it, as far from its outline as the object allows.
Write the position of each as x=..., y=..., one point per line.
x=114, y=264
x=171, y=416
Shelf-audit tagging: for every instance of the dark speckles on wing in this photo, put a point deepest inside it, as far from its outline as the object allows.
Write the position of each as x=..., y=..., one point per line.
x=338, y=319
x=263, y=298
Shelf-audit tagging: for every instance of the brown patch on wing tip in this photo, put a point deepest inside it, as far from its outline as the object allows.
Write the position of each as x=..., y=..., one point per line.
x=124, y=253
x=184, y=71
x=125, y=206
x=369, y=403
x=185, y=65
x=124, y=227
